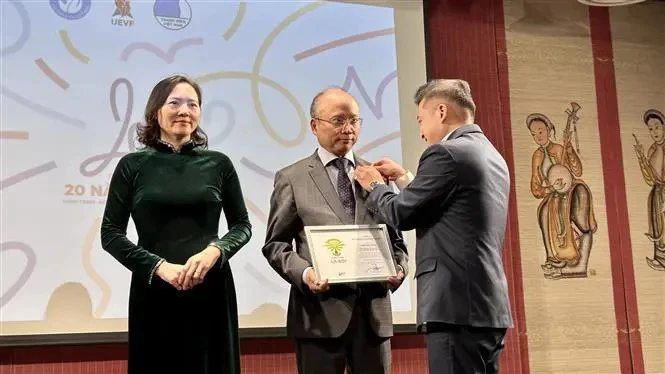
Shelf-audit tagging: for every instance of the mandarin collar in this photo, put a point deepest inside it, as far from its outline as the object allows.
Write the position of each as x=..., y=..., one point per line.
x=163, y=146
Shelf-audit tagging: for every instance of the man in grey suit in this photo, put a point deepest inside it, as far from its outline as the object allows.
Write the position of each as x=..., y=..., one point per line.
x=458, y=204
x=335, y=326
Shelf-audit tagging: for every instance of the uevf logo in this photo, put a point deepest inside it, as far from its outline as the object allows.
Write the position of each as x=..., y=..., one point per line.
x=122, y=16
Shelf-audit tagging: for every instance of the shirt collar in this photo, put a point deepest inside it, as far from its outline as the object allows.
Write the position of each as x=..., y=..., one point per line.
x=450, y=133
x=326, y=157
x=446, y=137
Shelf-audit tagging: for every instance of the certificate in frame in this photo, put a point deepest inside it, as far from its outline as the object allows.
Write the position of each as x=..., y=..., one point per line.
x=351, y=253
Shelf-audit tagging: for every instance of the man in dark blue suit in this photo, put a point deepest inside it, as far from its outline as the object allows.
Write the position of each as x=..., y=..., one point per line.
x=458, y=204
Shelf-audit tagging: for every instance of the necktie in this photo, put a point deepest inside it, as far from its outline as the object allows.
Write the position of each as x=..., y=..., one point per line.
x=344, y=188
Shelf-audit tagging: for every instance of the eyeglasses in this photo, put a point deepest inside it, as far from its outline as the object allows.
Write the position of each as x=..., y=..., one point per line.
x=340, y=121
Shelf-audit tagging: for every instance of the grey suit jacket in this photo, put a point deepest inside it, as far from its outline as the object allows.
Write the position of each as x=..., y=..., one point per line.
x=458, y=205
x=303, y=195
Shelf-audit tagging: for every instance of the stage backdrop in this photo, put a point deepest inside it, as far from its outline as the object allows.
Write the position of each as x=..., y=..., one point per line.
x=566, y=268
x=638, y=37
x=75, y=79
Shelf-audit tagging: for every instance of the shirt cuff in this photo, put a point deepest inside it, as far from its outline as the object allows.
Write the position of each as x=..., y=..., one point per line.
x=304, y=273
x=404, y=180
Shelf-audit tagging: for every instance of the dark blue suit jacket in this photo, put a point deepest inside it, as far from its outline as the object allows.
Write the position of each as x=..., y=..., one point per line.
x=458, y=205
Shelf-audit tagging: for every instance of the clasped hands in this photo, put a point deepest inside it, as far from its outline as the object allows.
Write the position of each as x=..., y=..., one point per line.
x=185, y=277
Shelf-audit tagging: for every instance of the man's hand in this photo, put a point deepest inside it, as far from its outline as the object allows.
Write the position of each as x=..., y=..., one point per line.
x=366, y=175
x=389, y=169
x=394, y=282
x=170, y=273
x=315, y=285
x=197, y=266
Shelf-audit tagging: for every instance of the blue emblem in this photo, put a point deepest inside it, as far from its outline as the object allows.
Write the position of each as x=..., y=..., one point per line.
x=71, y=9
x=172, y=14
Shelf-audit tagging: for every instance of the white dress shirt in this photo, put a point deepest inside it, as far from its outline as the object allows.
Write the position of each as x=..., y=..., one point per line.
x=326, y=158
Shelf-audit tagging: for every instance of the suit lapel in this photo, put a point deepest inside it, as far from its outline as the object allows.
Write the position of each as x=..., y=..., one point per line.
x=323, y=183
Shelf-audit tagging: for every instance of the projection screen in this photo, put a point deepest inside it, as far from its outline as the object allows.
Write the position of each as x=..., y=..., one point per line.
x=75, y=79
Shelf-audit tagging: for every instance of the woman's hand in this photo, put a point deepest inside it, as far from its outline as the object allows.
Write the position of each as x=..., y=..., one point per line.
x=197, y=266
x=170, y=273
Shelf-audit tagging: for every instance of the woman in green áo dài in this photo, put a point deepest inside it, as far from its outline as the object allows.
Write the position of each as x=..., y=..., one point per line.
x=182, y=301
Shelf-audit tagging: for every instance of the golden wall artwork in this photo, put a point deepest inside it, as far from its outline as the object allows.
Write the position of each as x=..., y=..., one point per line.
x=567, y=277
x=638, y=34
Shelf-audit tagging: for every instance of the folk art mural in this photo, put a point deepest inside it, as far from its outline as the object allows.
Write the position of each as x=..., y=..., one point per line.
x=565, y=215
x=560, y=189
x=652, y=165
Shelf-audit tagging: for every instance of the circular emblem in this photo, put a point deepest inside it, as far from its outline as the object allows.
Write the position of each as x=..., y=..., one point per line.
x=334, y=246
x=71, y=9
x=173, y=15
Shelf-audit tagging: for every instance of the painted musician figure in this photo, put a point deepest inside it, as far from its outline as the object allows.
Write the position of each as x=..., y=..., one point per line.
x=182, y=301
x=652, y=165
x=565, y=215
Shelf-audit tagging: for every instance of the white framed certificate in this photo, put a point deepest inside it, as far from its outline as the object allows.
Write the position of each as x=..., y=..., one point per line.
x=351, y=253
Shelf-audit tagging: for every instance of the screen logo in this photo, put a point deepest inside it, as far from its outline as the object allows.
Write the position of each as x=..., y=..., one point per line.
x=122, y=16
x=71, y=9
x=172, y=14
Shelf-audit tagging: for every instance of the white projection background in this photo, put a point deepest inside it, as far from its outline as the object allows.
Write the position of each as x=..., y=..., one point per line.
x=75, y=78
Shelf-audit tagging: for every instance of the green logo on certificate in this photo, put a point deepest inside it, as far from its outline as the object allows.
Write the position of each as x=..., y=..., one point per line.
x=334, y=246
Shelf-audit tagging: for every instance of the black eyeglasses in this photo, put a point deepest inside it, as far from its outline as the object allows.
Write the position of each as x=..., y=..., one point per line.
x=340, y=121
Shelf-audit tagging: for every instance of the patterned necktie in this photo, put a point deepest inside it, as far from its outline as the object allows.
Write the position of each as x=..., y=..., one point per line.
x=344, y=188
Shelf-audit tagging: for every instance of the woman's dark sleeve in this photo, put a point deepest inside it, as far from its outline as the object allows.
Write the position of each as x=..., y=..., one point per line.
x=235, y=212
x=138, y=260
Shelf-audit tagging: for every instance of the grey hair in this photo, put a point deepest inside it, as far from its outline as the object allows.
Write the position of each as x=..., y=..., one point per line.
x=313, y=107
x=456, y=91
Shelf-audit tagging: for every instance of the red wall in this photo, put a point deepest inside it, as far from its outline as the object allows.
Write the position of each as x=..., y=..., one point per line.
x=466, y=39
x=259, y=356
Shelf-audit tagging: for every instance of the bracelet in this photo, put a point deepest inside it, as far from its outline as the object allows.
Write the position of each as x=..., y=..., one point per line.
x=213, y=244
x=154, y=269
